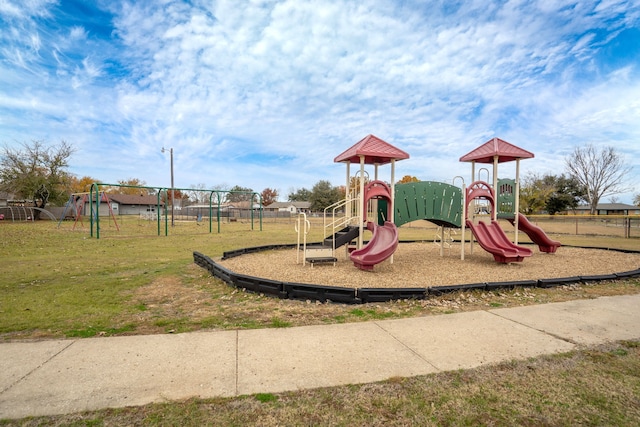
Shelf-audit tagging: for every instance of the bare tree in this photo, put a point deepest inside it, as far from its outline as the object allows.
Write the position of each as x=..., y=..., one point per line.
x=199, y=193
x=601, y=172
x=36, y=172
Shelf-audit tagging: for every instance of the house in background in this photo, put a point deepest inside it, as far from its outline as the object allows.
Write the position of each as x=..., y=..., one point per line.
x=121, y=204
x=291, y=207
x=127, y=204
x=610, y=209
x=4, y=198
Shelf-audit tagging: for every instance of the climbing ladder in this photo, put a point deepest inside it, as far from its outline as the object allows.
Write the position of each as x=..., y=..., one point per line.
x=444, y=236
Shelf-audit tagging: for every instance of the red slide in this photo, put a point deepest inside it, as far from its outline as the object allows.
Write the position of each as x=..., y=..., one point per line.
x=492, y=239
x=382, y=245
x=536, y=234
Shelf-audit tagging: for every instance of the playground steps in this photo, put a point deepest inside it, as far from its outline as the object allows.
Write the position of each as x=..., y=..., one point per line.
x=342, y=237
x=319, y=255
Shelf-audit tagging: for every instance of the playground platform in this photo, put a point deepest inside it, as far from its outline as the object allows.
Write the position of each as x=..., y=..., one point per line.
x=67, y=376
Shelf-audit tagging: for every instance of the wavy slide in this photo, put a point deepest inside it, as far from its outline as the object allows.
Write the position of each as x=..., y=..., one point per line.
x=536, y=234
x=382, y=245
x=492, y=239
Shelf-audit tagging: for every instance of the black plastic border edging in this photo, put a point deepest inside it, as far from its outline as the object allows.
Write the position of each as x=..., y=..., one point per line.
x=306, y=291
x=323, y=293
x=389, y=294
x=254, y=249
x=629, y=274
x=491, y=286
x=558, y=281
x=447, y=289
x=259, y=285
x=598, y=278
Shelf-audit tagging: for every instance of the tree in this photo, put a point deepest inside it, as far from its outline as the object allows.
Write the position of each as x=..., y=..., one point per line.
x=323, y=194
x=636, y=200
x=269, y=196
x=219, y=195
x=408, y=178
x=534, y=193
x=566, y=193
x=37, y=172
x=551, y=193
x=299, y=195
x=601, y=173
x=81, y=185
x=199, y=194
x=177, y=195
x=131, y=187
x=239, y=194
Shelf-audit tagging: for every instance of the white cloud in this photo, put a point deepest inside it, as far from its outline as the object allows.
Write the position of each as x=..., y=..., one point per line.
x=77, y=32
x=25, y=9
x=267, y=93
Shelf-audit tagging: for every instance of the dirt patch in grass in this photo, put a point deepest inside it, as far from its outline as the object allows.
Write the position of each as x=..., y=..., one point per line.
x=169, y=297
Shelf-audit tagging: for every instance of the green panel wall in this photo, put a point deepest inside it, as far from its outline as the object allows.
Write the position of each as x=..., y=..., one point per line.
x=432, y=201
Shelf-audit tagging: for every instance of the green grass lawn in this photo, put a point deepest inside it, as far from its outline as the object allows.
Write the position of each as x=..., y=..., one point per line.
x=59, y=282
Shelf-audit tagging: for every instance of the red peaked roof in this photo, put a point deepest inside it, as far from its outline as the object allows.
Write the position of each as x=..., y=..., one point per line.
x=374, y=151
x=505, y=151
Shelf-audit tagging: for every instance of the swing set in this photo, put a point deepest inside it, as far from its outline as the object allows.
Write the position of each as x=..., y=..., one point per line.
x=76, y=206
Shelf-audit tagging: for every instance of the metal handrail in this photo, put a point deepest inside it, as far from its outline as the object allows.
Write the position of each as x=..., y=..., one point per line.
x=307, y=226
x=337, y=223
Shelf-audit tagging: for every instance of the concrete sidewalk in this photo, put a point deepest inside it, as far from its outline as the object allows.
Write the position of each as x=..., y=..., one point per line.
x=65, y=376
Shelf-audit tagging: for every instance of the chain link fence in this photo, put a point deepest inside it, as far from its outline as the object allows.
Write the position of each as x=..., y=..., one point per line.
x=625, y=226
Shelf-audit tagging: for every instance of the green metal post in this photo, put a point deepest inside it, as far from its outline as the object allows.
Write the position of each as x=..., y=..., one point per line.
x=158, y=210
x=97, y=214
x=210, y=213
x=251, y=209
x=91, y=207
x=166, y=213
x=218, y=214
x=260, y=213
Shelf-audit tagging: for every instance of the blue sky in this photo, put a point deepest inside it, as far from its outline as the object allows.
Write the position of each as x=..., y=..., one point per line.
x=266, y=93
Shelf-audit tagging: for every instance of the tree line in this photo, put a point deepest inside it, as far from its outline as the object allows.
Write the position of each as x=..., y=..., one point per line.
x=37, y=173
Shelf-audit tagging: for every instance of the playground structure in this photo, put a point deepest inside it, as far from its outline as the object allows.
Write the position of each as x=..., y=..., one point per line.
x=505, y=204
x=490, y=236
x=382, y=208
x=384, y=239
x=22, y=213
x=346, y=220
x=76, y=205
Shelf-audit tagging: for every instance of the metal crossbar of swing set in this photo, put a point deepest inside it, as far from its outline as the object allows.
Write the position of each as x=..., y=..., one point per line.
x=94, y=197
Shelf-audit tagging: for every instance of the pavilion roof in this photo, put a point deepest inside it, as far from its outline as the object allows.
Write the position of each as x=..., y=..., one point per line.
x=374, y=150
x=505, y=151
